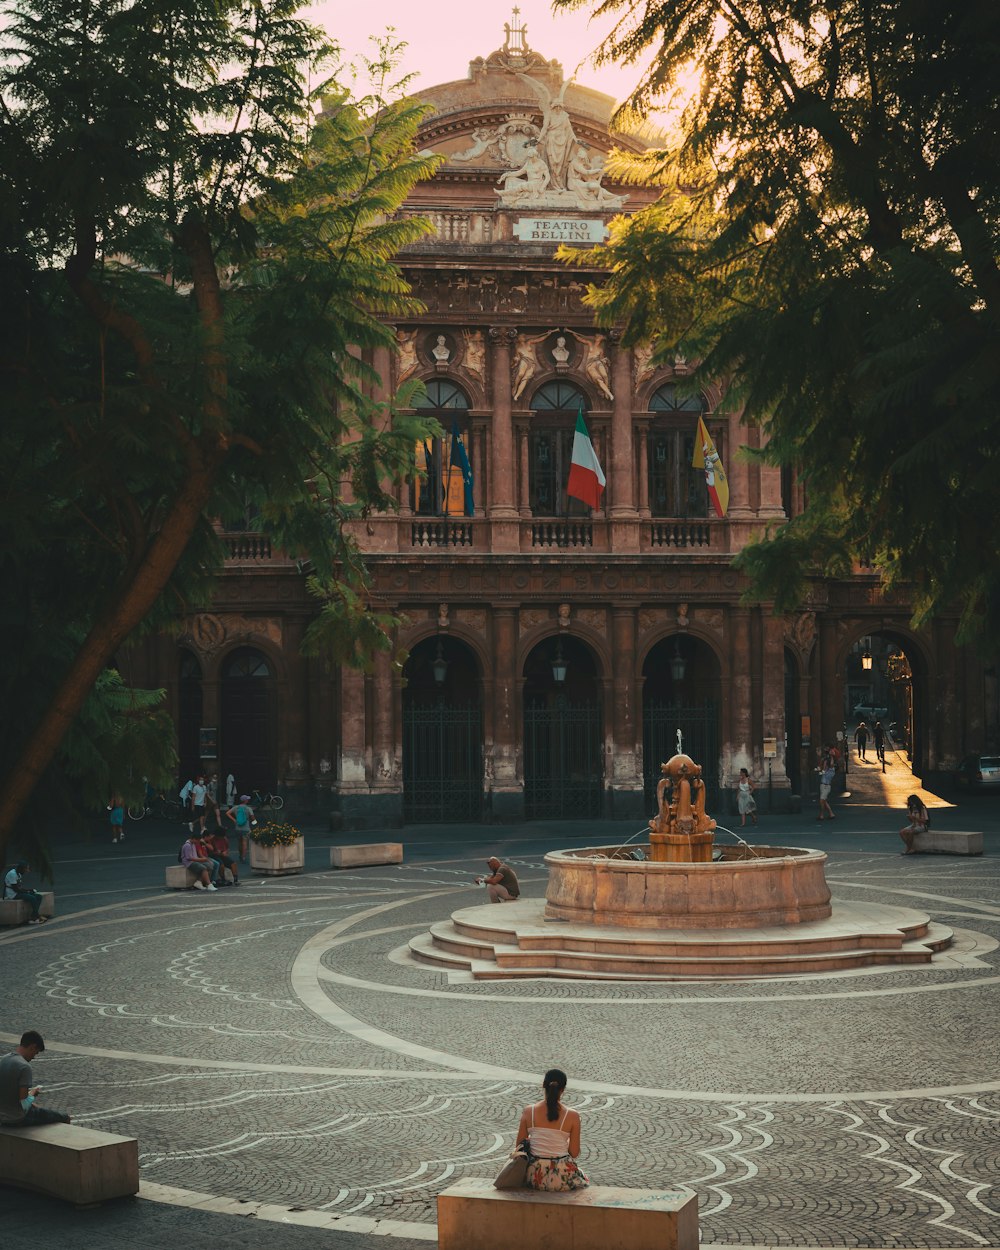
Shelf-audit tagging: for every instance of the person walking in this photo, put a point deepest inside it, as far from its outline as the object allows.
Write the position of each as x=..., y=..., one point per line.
x=116, y=815
x=14, y=888
x=185, y=797
x=745, y=802
x=18, y=1096
x=199, y=798
x=827, y=772
x=553, y=1134
x=878, y=733
x=861, y=738
x=920, y=821
x=501, y=883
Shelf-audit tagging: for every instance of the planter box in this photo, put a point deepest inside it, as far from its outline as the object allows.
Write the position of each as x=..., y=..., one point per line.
x=277, y=861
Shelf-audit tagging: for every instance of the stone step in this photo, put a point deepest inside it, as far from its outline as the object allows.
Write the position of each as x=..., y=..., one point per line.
x=508, y=961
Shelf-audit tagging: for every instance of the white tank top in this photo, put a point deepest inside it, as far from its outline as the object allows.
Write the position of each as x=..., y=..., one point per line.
x=548, y=1143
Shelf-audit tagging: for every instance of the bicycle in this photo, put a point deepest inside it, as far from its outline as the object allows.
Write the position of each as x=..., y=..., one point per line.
x=273, y=801
x=157, y=805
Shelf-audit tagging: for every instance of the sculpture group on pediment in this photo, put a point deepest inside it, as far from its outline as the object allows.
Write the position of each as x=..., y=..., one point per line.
x=546, y=166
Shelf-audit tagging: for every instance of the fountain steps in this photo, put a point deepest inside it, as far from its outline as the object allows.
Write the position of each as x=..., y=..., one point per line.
x=472, y=944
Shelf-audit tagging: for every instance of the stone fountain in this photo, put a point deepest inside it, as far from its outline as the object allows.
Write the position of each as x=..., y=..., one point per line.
x=679, y=909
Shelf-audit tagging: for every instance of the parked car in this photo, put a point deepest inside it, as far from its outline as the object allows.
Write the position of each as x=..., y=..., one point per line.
x=897, y=732
x=979, y=772
x=869, y=714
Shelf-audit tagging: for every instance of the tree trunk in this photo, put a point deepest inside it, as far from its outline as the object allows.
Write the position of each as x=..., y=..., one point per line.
x=134, y=602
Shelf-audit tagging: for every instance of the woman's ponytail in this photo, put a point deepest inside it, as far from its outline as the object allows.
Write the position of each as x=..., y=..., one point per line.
x=554, y=1083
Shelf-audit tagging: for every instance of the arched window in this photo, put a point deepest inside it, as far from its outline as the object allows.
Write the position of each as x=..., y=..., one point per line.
x=676, y=489
x=555, y=406
x=246, y=663
x=439, y=488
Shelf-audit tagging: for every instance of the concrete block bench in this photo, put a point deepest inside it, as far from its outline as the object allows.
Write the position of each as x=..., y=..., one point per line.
x=180, y=878
x=938, y=842
x=79, y=1165
x=472, y=1215
x=14, y=911
x=364, y=856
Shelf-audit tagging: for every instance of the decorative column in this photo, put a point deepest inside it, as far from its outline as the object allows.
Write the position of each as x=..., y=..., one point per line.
x=507, y=792
x=504, y=527
x=622, y=514
x=643, y=435
x=352, y=773
x=772, y=666
x=524, y=449
x=738, y=472
x=738, y=751
x=387, y=796
x=770, y=488
x=625, y=771
x=293, y=740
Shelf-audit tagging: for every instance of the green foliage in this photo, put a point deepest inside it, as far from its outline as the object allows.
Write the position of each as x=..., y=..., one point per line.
x=196, y=271
x=828, y=241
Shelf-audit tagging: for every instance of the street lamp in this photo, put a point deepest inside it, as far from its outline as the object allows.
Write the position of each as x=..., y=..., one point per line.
x=439, y=666
x=559, y=665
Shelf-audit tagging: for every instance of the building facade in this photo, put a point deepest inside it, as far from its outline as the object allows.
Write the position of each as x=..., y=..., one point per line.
x=554, y=651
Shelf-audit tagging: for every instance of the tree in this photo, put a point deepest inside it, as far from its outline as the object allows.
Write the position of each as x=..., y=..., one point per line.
x=827, y=240
x=194, y=267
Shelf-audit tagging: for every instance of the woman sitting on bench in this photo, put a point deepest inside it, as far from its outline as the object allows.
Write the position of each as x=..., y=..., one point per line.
x=553, y=1133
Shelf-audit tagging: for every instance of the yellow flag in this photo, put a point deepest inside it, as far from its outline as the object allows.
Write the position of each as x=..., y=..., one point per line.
x=709, y=461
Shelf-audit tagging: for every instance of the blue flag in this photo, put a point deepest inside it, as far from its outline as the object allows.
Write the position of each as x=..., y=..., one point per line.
x=460, y=460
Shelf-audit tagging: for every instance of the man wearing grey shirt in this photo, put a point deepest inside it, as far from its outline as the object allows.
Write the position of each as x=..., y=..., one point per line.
x=18, y=1107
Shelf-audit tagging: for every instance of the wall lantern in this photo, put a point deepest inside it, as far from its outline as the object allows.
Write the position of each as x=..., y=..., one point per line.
x=439, y=666
x=678, y=665
x=866, y=661
x=559, y=665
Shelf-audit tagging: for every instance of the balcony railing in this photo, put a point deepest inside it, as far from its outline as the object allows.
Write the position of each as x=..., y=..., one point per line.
x=248, y=546
x=562, y=534
x=441, y=533
x=680, y=534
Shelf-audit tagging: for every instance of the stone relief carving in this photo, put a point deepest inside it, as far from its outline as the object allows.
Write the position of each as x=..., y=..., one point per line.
x=642, y=362
x=803, y=631
x=595, y=618
x=651, y=618
x=441, y=351
x=595, y=362
x=682, y=616
x=406, y=357
x=711, y=618
x=474, y=618
x=474, y=355
x=564, y=613
x=209, y=633
x=443, y=622
x=524, y=365
x=532, y=618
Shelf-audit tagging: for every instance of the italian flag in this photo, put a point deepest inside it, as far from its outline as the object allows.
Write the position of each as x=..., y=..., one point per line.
x=586, y=477
x=709, y=461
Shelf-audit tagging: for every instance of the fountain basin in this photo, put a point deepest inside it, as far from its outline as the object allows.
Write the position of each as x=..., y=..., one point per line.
x=745, y=889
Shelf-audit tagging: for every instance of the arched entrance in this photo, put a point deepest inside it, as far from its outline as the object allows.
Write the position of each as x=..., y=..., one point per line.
x=680, y=691
x=563, y=775
x=442, y=733
x=189, y=714
x=248, y=720
x=886, y=680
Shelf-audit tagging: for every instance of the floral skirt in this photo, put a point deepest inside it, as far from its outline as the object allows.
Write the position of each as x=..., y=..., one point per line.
x=554, y=1175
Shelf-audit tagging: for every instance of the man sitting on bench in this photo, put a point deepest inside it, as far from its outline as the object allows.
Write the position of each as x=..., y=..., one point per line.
x=17, y=1094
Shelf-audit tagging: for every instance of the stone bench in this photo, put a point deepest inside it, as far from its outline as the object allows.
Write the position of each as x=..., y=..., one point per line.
x=180, y=878
x=15, y=911
x=364, y=856
x=472, y=1215
x=938, y=842
x=80, y=1165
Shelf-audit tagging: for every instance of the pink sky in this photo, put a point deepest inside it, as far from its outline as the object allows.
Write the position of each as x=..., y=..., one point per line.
x=445, y=35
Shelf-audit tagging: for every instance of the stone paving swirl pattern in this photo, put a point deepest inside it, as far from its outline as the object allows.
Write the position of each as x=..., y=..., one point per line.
x=273, y=1044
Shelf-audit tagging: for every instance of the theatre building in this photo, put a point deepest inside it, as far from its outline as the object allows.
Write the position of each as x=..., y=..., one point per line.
x=555, y=651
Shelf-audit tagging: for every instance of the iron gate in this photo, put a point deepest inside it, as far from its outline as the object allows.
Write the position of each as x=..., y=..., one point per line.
x=442, y=763
x=699, y=726
x=562, y=761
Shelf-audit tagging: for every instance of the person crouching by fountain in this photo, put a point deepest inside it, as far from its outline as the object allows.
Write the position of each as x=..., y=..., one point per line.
x=553, y=1133
x=501, y=884
x=919, y=818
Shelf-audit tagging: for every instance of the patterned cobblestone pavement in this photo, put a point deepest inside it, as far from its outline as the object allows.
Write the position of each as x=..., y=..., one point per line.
x=275, y=1044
